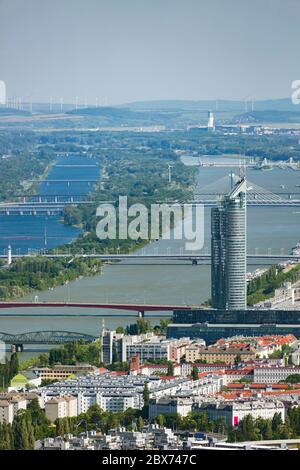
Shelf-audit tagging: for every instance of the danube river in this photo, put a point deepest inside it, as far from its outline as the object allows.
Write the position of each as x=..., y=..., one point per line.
x=270, y=230
x=30, y=233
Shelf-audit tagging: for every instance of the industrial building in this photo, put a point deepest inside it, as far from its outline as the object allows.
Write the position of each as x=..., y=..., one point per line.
x=213, y=324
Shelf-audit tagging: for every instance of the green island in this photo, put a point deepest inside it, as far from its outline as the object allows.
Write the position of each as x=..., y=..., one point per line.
x=27, y=275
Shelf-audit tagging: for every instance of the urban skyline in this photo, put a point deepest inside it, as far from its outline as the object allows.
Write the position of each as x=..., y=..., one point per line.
x=149, y=235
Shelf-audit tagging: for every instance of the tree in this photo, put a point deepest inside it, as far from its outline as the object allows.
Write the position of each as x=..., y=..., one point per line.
x=293, y=379
x=37, y=415
x=248, y=429
x=201, y=419
x=140, y=423
x=94, y=414
x=143, y=325
x=120, y=330
x=276, y=423
x=115, y=357
x=72, y=215
x=238, y=359
x=14, y=365
x=6, y=441
x=268, y=434
x=43, y=359
x=146, y=395
x=160, y=420
x=195, y=373
x=23, y=432
x=164, y=324
x=170, y=369
x=173, y=420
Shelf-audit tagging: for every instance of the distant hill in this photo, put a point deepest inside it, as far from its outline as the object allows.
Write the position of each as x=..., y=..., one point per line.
x=113, y=112
x=271, y=116
x=283, y=104
x=124, y=116
x=12, y=112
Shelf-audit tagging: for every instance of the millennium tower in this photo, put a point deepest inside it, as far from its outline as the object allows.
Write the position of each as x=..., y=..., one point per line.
x=229, y=250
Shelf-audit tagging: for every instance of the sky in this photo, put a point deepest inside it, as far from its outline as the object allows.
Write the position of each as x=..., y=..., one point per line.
x=119, y=51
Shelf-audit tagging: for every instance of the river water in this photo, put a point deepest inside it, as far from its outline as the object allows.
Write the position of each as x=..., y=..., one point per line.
x=30, y=233
x=270, y=230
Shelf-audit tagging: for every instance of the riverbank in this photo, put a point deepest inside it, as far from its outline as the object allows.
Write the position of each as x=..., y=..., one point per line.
x=264, y=286
x=27, y=275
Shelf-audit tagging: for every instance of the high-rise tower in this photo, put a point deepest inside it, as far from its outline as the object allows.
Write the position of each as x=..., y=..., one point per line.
x=210, y=122
x=229, y=250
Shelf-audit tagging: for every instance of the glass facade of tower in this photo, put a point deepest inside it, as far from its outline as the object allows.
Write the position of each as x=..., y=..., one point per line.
x=228, y=251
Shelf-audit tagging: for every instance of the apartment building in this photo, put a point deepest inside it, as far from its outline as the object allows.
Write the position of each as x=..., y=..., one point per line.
x=150, y=347
x=6, y=412
x=225, y=355
x=273, y=374
x=234, y=411
x=61, y=407
x=61, y=372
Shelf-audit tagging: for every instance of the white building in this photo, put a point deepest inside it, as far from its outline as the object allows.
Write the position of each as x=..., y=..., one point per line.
x=273, y=374
x=296, y=357
x=120, y=392
x=19, y=403
x=183, y=399
x=234, y=411
x=111, y=392
x=148, y=346
x=61, y=407
x=149, y=350
x=6, y=411
x=165, y=405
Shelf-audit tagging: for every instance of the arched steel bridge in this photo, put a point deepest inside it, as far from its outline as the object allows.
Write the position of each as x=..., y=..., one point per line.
x=44, y=337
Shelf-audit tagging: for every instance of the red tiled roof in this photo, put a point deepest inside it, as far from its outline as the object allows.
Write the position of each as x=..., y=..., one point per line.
x=260, y=386
x=243, y=371
x=249, y=393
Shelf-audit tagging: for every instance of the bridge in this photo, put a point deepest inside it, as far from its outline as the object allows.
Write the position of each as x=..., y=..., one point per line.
x=139, y=308
x=250, y=163
x=43, y=337
x=194, y=259
x=210, y=194
x=41, y=207
x=68, y=181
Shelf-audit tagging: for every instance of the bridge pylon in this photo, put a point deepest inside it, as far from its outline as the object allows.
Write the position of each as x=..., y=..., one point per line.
x=17, y=347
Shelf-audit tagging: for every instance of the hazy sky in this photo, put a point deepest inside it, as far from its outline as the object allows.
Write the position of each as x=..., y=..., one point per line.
x=127, y=50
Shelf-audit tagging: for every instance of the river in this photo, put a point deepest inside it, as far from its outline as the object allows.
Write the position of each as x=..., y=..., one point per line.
x=271, y=229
